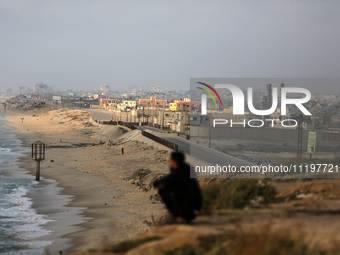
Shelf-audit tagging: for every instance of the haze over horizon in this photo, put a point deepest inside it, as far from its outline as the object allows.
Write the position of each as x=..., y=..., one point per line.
x=86, y=44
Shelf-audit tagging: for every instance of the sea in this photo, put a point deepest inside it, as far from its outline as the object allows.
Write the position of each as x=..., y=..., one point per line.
x=21, y=226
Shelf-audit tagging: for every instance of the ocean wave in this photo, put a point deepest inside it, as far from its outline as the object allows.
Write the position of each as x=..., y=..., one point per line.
x=5, y=149
x=9, y=154
x=30, y=231
x=35, y=248
x=20, y=224
x=20, y=209
x=21, y=219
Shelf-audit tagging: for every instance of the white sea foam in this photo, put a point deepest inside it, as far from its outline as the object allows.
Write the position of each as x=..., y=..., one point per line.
x=25, y=223
x=20, y=207
x=36, y=248
x=20, y=224
x=5, y=149
x=30, y=231
x=9, y=152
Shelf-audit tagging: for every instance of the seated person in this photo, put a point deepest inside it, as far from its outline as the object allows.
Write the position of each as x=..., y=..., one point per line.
x=181, y=194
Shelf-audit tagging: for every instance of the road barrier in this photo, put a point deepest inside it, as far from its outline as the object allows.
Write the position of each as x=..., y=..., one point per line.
x=160, y=140
x=107, y=122
x=130, y=125
x=331, y=136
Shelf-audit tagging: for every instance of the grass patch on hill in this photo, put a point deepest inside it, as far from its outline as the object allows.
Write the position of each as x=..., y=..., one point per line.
x=256, y=242
x=128, y=245
x=236, y=193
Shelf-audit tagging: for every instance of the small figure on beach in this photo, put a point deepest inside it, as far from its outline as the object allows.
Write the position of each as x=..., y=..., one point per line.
x=180, y=193
x=122, y=150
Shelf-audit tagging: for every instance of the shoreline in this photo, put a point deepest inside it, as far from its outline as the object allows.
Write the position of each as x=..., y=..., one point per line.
x=55, y=201
x=51, y=198
x=91, y=206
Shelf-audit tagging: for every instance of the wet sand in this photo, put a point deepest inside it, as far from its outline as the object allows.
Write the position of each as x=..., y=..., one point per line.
x=95, y=204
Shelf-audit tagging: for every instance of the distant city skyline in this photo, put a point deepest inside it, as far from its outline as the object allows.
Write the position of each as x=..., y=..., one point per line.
x=87, y=44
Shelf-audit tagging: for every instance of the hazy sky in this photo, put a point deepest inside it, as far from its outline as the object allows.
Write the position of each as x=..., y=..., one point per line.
x=85, y=44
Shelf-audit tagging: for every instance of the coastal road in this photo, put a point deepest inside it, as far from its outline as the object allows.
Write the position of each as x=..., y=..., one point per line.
x=150, y=128
x=200, y=152
x=203, y=153
x=99, y=114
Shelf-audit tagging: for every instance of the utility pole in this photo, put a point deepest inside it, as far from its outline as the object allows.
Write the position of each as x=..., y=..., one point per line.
x=163, y=111
x=299, y=142
x=210, y=124
x=310, y=154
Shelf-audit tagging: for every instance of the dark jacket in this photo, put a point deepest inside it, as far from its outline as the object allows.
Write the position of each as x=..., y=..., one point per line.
x=185, y=189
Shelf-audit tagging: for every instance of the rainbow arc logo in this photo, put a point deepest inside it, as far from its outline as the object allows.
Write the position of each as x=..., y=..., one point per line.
x=204, y=97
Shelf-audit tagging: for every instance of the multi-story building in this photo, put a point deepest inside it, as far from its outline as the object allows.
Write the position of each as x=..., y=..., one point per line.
x=176, y=121
x=41, y=88
x=130, y=103
x=152, y=101
x=180, y=106
x=155, y=89
x=105, y=88
x=180, y=122
x=96, y=95
x=108, y=104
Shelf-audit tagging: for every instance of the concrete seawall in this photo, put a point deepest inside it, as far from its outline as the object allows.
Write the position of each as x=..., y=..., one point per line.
x=251, y=133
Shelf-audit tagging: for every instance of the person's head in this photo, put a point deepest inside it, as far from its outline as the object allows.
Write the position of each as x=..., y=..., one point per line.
x=176, y=159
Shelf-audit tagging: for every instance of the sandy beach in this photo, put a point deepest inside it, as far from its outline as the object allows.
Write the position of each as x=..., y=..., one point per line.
x=97, y=203
x=88, y=191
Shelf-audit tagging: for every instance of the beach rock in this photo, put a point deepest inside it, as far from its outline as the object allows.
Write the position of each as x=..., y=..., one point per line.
x=157, y=197
x=145, y=188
